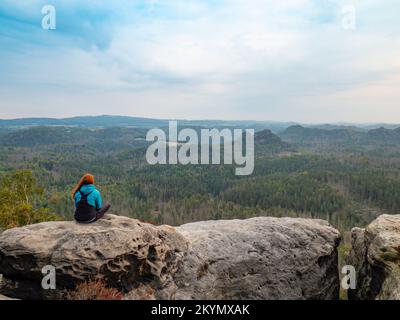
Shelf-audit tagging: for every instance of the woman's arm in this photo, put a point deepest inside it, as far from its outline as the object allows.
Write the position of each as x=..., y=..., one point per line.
x=77, y=197
x=99, y=201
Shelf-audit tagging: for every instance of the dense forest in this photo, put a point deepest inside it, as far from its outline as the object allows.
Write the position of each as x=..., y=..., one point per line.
x=347, y=175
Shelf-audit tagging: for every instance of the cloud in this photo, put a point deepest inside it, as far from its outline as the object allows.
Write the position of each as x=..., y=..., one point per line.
x=279, y=60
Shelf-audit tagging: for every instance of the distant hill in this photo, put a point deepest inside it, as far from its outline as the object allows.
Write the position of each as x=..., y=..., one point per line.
x=382, y=135
x=299, y=134
x=103, y=139
x=88, y=122
x=36, y=136
x=345, y=137
x=266, y=137
x=107, y=121
x=328, y=126
x=266, y=142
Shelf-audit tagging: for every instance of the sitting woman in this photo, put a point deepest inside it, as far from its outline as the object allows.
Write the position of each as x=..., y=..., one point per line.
x=89, y=205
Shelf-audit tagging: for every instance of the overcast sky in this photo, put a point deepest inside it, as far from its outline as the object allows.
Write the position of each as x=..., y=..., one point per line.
x=234, y=59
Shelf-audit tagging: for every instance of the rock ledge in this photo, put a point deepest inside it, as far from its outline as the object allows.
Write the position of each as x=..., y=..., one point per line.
x=258, y=258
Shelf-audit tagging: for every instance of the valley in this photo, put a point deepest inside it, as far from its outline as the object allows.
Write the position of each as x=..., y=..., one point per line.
x=346, y=175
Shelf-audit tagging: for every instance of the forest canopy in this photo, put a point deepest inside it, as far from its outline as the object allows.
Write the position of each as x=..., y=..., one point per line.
x=347, y=176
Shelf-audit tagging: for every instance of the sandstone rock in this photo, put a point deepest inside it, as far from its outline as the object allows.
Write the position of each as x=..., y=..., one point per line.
x=375, y=254
x=6, y=298
x=259, y=258
x=123, y=251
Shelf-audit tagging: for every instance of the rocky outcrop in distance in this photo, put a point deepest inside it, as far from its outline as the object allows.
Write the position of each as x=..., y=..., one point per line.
x=257, y=258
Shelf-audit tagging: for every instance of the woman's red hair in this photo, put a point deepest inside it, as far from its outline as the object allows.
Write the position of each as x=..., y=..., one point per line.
x=86, y=179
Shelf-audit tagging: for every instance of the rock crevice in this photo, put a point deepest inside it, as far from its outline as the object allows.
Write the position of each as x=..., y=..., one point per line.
x=375, y=254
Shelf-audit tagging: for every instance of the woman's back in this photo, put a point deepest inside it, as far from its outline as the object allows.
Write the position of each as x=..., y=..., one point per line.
x=88, y=202
x=93, y=196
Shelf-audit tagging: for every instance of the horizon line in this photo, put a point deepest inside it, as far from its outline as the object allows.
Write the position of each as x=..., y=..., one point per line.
x=342, y=123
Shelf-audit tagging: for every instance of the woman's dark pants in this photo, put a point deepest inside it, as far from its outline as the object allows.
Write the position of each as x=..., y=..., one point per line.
x=102, y=211
x=91, y=215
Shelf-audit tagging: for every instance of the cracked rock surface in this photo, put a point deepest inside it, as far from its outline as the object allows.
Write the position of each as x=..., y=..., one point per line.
x=124, y=252
x=257, y=258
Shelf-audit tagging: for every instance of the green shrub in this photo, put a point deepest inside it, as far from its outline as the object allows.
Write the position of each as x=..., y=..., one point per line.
x=19, y=196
